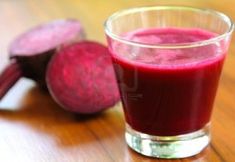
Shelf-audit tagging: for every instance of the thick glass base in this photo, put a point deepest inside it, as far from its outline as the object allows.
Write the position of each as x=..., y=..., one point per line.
x=169, y=147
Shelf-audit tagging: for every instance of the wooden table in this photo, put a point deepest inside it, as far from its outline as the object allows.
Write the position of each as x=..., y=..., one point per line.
x=33, y=128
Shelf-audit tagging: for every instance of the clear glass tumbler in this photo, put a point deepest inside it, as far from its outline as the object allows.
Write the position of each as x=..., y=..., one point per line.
x=168, y=61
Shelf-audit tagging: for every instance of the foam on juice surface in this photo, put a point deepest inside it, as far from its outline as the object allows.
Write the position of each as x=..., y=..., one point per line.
x=168, y=36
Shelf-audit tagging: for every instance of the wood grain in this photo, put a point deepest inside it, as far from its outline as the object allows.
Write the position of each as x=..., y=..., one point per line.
x=35, y=129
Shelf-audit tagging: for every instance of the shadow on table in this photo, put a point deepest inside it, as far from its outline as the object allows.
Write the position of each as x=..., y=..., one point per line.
x=45, y=117
x=41, y=113
x=207, y=155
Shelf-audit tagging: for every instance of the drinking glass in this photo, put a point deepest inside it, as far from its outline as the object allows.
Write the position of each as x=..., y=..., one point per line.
x=168, y=92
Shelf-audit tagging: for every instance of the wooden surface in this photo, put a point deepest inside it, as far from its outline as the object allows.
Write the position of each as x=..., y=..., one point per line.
x=34, y=129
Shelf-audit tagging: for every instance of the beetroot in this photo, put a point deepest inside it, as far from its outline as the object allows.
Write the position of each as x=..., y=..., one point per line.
x=31, y=51
x=81, y=78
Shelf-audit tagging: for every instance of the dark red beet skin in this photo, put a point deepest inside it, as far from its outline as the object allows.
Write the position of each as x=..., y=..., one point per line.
x=81, y=78
x=31, y=51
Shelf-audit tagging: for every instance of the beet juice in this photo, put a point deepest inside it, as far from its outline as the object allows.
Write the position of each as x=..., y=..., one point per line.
x=167, y=92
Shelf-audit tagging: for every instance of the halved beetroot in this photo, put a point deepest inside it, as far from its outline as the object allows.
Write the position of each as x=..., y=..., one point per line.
x=31, y=51
x=81, y=78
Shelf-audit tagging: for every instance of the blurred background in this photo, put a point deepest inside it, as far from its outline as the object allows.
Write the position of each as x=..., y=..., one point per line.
x=19, y=15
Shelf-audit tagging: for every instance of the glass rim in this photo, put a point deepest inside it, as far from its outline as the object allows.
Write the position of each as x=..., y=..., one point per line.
x=225, y=18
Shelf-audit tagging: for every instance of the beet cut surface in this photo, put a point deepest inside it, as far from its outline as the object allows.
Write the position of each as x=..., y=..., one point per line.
x=46, y=37
x=81, y=78
x=31, y=51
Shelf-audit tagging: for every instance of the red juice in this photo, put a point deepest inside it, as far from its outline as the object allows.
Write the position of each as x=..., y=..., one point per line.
x=167, y=92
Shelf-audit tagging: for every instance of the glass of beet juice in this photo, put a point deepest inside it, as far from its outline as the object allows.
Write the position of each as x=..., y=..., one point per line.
x=168, y=61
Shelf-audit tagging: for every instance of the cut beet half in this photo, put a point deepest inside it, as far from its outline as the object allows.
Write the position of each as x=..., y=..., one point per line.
x=31, y=51
x=81, y=78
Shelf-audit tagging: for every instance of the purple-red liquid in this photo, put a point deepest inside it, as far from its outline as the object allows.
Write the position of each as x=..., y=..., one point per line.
x=167, y=92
